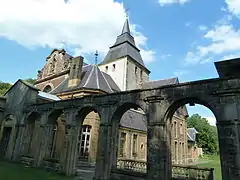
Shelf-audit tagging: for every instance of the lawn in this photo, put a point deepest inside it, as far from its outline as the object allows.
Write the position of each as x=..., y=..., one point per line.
x=11, y=171
x=212, y=162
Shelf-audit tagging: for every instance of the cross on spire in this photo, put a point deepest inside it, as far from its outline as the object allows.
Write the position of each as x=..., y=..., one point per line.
x=96, y=57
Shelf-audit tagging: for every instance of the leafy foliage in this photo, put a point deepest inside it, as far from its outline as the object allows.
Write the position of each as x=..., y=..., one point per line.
x=30, y=80
x=207, y=137
x=4, y=87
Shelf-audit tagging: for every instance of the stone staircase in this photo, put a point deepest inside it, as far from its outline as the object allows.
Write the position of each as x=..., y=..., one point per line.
x=85, y=170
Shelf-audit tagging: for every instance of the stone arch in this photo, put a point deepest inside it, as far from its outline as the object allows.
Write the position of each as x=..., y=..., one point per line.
x=7, y=135
x=116, y=132
x=125, y=106
x=55, y=132
x=87, y=120
x=31, y=123
x=174, y=105
x=176, y=144
x=82, y=112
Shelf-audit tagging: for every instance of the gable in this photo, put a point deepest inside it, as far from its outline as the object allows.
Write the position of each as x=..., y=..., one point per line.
x=20, y=94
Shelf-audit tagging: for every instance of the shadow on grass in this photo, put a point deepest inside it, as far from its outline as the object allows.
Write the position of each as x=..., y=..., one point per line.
x=13, y=171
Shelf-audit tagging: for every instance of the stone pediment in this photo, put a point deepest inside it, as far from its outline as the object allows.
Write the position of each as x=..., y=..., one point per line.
x=57, y=62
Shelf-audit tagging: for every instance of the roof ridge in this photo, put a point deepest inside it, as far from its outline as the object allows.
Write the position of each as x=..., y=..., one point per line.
x=97, y=79
x=88, y=78
x=105, y=80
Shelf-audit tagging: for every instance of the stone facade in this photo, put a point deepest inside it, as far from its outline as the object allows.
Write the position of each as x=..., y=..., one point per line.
x=160, y=105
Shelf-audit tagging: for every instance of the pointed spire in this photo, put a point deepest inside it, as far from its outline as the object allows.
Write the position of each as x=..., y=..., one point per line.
x=126, y=28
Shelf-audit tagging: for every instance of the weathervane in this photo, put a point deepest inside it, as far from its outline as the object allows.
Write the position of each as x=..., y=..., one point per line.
x=126, y=10
x=126, y=13
x=96, y=57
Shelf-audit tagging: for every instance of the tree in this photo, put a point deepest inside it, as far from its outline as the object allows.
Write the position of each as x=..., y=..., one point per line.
x=207, y=137
x=4, y=87
x=30, y=80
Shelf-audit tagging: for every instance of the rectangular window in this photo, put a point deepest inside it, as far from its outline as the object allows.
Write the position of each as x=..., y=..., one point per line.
x=106, y=69
x=175, y=129
x=134, y=146
x=175, y=153
x=114, y=67
x=122, y=144
x=183, y=152
x=181, y=129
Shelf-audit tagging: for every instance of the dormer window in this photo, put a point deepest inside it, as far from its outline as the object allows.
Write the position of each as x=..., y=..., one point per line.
x=114, y=67
x=106, y=69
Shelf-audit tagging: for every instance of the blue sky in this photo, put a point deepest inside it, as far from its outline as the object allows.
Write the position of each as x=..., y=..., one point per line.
x=177, y=37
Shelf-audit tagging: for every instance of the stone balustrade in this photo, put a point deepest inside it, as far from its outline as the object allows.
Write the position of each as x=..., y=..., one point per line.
x=179, y=172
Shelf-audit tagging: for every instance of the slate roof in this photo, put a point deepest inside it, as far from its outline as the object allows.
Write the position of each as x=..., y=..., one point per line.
x=191, y=134
x=134, y=120
x=159, y=83
x=92, y=78
x=124, y=46
x=24, y=82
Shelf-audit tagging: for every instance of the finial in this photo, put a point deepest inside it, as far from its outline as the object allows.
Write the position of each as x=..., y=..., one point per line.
x=96, y=57
x=126, y=13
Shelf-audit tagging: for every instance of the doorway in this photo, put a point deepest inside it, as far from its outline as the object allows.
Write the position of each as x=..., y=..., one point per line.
x=5, y=140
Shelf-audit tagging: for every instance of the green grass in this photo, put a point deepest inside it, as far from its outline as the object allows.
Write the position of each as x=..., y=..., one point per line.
x=214, y=162
x=11, y=171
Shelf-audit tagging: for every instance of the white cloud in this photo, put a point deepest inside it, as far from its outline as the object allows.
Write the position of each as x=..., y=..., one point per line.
x=233, y=7
x=223, y=38
x=211, y=120
x=169, y=2
x=80, y=25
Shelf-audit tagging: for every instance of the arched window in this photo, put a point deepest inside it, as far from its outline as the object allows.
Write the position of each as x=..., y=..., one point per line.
x=47, y=89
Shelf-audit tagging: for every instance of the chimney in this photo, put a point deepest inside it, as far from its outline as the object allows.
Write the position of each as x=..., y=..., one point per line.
x=75, y=71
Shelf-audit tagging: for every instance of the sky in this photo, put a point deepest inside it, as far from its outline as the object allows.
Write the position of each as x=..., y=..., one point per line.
x=177, y=38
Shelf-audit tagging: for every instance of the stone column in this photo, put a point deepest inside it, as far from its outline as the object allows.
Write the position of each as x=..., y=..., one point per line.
x=159, y=164
x=229, y=142
x=19, y=142
x=106, y=154
x=42, y=139
x=71, y=150
x=71, y=143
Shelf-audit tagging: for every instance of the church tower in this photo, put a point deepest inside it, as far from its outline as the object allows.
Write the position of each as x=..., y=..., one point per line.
x=124, y=63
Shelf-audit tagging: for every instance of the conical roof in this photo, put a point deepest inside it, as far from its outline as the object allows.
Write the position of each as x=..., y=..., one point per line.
x=91, y=78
